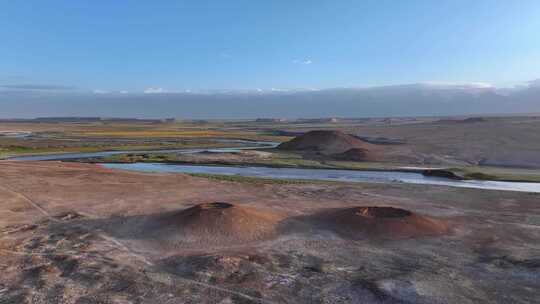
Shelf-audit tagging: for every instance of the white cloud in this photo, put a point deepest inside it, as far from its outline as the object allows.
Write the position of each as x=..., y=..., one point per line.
x=475, y=85
x=154, y=91
x=302, y=61
x=100, y=92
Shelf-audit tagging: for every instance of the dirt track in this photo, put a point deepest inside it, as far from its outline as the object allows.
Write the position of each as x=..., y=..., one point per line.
x=66, y=238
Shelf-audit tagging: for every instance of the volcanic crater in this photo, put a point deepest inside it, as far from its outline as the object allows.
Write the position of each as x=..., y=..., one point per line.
x=223, y=224
x=217, y=223
x=332, y=143
x=378, y=223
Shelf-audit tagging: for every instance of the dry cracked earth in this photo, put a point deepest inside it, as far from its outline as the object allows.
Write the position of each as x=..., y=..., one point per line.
x=80, y=233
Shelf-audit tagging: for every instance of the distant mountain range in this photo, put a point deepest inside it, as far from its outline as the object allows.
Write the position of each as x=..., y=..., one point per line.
x=26, y=101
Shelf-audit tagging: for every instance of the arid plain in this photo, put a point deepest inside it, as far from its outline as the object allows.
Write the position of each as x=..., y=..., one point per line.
x=83, y=233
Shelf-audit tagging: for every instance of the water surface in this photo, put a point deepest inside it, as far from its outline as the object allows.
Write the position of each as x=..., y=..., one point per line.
x=330, y=175
x=286, y=173
x=76, y=155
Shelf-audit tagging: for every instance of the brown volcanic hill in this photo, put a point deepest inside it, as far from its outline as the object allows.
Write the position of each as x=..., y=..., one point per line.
x=354, y=154
x=379, y=222
x=216, y=223
x=325, y=141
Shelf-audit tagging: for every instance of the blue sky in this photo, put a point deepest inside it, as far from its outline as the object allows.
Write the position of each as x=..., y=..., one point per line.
x=193, y=45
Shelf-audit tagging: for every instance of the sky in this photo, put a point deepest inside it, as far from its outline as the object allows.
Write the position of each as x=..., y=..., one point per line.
x=160, y=46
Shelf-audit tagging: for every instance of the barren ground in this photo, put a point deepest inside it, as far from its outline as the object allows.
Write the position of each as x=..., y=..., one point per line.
x=79, y=233
x=508, y=141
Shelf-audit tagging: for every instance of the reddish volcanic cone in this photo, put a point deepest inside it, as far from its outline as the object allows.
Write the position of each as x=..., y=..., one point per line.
x=354, y=154
x=218, y=223
x=380, y=222
x=332, y=143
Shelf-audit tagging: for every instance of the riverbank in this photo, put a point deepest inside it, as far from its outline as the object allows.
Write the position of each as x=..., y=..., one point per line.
x=271, y=158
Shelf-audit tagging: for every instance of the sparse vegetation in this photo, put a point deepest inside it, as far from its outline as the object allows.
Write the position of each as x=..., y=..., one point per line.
x=100, y=136
x=106, y=136
x=260, y=180
x=291, y=160
x=498, y=173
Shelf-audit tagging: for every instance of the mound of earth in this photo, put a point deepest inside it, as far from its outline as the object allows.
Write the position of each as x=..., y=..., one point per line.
x=329, y=143
x=380, y=222
x=354, y=154
x=464, y=121
x=441, y=173
x=217, y=223
x=474, y=119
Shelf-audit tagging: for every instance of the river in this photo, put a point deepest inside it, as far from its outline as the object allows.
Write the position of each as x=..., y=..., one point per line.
x=247, y=145
x=287, y=173
x=330, y=175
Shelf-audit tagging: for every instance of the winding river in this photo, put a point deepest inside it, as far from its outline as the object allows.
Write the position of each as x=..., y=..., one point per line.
x=247, y=145
x=288, y=173
x=331, y=175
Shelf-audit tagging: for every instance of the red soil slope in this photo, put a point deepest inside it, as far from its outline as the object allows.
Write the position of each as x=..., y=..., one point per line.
x=218, y=223
x=332, y=143
x=380, y=222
